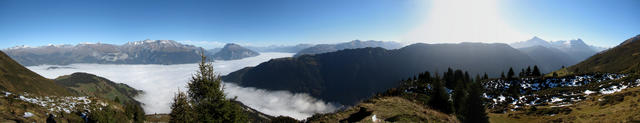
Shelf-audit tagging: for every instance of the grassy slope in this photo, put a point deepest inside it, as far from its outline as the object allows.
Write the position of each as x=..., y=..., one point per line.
x=16, y=78
x=388, y=108
x=618, y=107
x=91, y=85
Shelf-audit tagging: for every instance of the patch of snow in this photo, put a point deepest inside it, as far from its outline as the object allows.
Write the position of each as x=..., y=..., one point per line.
x=612, y=89
x=502, y=98
x=374, y=118
x=588, y=92
x=556, y=99
x=28, y=114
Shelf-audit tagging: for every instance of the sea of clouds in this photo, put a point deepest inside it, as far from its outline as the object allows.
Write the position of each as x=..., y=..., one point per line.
x=161, y=82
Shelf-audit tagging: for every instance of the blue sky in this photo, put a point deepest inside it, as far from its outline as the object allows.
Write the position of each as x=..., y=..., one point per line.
x=266, y=22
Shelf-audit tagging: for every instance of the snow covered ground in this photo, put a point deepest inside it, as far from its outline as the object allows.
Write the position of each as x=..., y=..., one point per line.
x=576, y=88
x=58, y=103
x=161, y=82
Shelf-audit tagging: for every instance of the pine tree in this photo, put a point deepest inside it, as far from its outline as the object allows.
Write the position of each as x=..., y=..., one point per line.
x=514, y=89
x=485, y=77
x=536, y=71
x=449, y=78
x=207, y=97
x=459, y=99
x=135, y=112
x=502, y=75
x=475, y=105
x=467, y=78
x=439, y=98
x=181, y=111
x=528, y=71
x=117, y=100
x=510, y=74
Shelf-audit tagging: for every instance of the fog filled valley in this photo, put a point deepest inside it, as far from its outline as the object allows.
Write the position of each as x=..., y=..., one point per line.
x=159, y=83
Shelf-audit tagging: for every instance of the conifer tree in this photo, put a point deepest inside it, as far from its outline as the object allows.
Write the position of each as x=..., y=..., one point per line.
x=528, y=73
x=459, y=99
x=487, y=76
x=449, y=78
x=536, y=71
x=510, y=74
x=207, y=97
x=514, y=89
x=476, y=108
x=439, y=98
x=135, y=112
x=117, y=100
x=181, y=111
x=467, y=78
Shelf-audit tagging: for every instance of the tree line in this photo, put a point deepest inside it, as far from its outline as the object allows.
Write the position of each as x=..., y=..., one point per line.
x=454, y=93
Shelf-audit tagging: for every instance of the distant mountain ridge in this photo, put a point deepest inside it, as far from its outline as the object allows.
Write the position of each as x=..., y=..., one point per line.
x=549, y=58
x=138, y=52
x=280, y=48
x=233, y=51
x=324, y=48
x=349, y=75
x=576, y=49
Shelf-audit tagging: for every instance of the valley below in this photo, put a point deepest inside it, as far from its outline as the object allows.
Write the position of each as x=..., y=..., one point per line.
x=160, y=83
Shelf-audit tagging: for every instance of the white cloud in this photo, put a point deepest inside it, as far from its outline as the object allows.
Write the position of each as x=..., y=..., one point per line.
x=453, y=21
x=161, y=82
x=299, y=106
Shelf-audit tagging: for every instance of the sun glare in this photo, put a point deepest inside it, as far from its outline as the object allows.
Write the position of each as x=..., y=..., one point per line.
x=452, y=21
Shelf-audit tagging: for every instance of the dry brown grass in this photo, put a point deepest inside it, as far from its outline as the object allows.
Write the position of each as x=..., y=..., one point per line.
x=388, y=107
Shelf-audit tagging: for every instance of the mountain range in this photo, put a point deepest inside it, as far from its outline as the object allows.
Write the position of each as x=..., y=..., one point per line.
x=280, y=48
x=576, y=49
x=138, y=52
x=324, y=48
x=349, y=75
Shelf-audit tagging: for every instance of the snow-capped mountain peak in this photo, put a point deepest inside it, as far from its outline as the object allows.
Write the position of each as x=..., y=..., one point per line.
x=155, y=43
x=18, y=47
x=535, y=41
